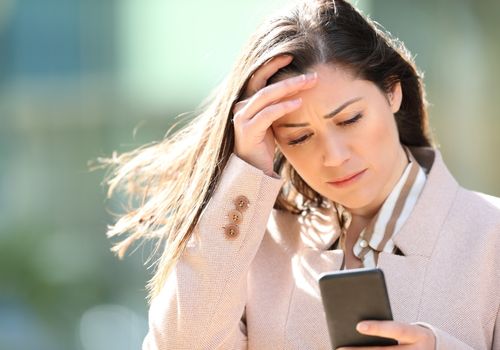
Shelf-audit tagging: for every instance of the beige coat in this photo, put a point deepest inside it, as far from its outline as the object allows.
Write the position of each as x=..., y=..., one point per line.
x=258, y=289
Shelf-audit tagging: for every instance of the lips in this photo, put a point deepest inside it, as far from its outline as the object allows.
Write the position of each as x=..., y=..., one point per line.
x=347, y=178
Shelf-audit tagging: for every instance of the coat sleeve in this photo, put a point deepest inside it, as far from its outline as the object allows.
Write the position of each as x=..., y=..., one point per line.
x=202, y=304
x=444, y=340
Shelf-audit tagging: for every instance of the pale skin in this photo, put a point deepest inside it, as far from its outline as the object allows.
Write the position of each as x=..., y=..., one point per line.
x=361, y=137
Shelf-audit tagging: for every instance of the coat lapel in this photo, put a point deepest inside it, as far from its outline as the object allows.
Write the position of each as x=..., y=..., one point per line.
x=416, y=239
x=404, y=277
x=318, y=231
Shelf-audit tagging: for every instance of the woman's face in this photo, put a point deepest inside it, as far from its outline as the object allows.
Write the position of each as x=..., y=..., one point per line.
x=343, y=140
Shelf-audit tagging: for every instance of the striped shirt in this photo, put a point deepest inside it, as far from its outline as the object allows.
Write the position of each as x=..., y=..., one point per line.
x=377, y=236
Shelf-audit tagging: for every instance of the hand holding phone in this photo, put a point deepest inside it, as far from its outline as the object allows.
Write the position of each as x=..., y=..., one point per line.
x=352, y=296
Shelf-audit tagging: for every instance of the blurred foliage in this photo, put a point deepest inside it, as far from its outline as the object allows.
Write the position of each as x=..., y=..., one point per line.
x=80, y=79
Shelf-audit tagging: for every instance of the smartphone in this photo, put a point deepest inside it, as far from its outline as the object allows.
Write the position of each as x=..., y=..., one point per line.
x=351, y=296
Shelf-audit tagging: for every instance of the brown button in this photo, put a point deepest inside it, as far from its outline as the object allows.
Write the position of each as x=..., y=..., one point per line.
x=235, y=216
x=242, y=203
x=231, y=230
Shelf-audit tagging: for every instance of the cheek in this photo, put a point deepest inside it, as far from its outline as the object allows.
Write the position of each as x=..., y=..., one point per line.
x=382, y=142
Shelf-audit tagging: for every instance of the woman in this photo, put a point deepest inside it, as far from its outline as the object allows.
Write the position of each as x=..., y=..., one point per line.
x=314, y=156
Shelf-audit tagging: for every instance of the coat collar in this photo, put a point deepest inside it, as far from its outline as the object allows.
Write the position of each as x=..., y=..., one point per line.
x=419, y=233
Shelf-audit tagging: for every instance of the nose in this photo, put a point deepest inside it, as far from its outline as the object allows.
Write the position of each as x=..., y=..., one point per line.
x=335, y=151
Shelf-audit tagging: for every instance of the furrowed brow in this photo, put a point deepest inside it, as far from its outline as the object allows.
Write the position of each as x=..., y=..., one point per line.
x=328, y=116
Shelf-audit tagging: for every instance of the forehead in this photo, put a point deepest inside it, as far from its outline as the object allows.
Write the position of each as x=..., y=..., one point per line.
x=334, y=87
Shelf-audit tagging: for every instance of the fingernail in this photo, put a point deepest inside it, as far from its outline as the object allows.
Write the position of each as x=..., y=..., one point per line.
x=362, y=327
x=300, y=78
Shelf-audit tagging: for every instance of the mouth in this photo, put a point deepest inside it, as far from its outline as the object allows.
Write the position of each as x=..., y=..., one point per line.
x=347, y=180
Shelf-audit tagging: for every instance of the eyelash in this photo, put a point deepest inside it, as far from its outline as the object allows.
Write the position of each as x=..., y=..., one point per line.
x=346, y=123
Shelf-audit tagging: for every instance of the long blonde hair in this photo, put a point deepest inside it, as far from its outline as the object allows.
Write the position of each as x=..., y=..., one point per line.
x=173, y=180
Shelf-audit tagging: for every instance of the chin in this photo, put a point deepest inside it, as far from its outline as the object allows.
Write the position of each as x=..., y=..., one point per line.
x=355, y=205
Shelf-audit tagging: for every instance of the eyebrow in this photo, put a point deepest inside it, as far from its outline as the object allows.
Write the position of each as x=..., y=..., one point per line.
x=328, y=116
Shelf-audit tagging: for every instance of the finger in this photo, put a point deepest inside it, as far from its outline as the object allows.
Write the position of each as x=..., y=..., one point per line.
x=264, y=119
x=239, y=105
x=402, y=332
x=275, y=92
x=259, y=78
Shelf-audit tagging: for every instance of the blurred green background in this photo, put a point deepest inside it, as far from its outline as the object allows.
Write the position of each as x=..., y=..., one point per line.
x=82, y=78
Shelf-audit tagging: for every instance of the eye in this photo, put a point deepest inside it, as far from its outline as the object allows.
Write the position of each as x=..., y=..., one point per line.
x=352, y=120
x=300, y=140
